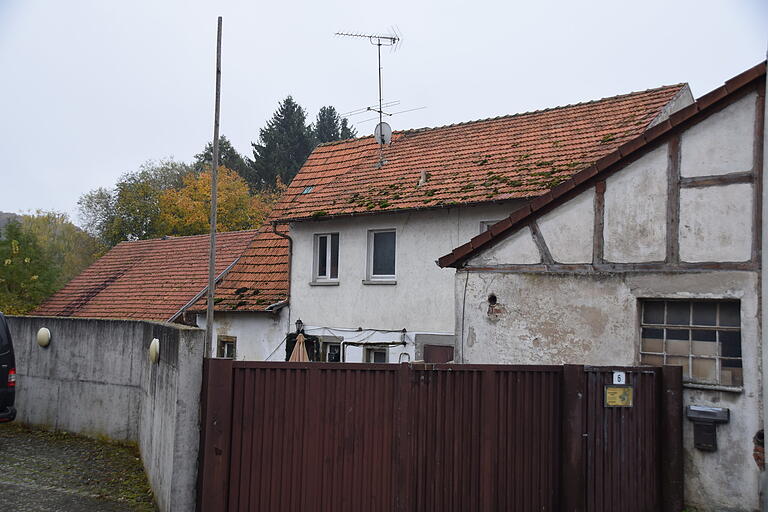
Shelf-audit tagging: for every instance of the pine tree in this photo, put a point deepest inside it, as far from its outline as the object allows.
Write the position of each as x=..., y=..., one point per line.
x=283, y=146
x=330, y=126
x=346, y=131
x=229, y=158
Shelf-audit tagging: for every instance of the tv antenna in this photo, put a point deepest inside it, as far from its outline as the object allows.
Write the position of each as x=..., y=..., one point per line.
x=383, y=132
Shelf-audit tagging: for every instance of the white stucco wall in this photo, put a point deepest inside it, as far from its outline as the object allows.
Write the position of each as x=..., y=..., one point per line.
x=636, y=210
x=421, y=301
x=569, y=228
x=258, y=334
x=722, y=143
x=593, y=319
x=716, y=223
x=517, y=247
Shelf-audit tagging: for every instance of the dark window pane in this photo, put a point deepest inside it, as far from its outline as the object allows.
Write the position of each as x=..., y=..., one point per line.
x=384, y=253
x=335, y=256
x=704, y=313
x=653, y=333
x=677, y=334
x=379, y=356
x=678, y=313
x=701, y=335
x=653, y=312
x=729, y=314
x=730, y=344
x=730, y=363
x=334, y=354
x=322, y=254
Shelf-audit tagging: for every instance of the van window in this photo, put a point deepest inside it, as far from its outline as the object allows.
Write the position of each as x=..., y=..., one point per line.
x=5, y=337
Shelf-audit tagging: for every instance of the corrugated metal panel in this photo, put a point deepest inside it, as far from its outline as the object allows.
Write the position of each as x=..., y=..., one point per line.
x=622, y=444
x=312, y=438
x=350, y=437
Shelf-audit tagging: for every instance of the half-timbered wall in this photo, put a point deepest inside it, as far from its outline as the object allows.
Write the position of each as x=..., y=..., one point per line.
x=682, y=221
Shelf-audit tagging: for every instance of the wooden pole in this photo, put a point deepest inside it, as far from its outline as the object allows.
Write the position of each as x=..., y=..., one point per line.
x=214, y=185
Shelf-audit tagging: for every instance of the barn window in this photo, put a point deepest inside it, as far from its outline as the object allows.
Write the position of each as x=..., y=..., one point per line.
x=227, y=347
x=704, y=337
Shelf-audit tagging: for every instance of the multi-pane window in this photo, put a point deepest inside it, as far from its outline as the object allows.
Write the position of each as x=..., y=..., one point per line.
x=704, y=337
x=381, y=254
x=327, y=256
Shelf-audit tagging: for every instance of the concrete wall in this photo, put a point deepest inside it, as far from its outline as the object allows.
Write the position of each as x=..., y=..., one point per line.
x=258, y=334
x=422, y=299
x=95, y=379
x=689, y=217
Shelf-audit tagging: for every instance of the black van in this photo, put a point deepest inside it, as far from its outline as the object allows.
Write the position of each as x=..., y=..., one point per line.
x=7, y=373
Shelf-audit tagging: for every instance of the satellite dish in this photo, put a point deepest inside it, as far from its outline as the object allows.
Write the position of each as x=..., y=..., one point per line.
x=383, y=133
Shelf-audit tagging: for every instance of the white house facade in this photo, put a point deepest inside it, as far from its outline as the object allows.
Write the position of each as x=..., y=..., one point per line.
x=367, y=222
x=355, y=304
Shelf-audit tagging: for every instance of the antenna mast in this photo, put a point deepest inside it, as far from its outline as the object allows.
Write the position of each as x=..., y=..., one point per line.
x=378, y=40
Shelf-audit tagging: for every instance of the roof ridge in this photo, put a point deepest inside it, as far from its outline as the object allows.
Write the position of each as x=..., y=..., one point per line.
x=517, y=114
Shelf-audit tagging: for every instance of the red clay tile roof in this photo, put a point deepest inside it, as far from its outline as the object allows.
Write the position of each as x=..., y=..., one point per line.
x=512, y=157
x=145, y=279
x=606, y=165
x=258, y=280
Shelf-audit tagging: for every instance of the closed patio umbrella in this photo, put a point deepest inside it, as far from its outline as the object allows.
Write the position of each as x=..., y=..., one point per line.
x=299, y=354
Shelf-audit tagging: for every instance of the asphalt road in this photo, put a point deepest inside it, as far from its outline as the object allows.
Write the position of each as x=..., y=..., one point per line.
x=54, y=471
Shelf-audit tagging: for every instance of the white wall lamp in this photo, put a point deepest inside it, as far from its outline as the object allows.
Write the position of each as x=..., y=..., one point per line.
x=43, y=337
x=154, y=350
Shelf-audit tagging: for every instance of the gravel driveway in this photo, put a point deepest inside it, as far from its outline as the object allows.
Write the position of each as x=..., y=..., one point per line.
x=56, y=471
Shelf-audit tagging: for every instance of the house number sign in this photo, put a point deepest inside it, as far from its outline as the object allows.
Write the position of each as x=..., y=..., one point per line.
x=618, y=395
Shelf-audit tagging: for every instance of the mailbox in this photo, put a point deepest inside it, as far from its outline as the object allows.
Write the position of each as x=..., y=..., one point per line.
x=705, y=420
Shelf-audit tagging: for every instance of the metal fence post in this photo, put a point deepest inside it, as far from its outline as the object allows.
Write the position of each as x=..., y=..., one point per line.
x=402, y=480
x=671, y=437
x=572, y=467
x=215, y=436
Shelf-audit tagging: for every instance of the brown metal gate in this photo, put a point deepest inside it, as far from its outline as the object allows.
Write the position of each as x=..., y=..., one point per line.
x=378, y=437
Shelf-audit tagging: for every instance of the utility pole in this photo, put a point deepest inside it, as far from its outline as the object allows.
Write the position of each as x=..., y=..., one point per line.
x=214, y=185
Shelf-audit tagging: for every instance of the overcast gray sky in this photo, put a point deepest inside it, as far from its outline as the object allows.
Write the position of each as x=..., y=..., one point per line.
x=92, y=89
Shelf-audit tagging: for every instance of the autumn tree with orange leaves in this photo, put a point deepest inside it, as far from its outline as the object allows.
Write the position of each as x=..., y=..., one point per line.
x=186, y=210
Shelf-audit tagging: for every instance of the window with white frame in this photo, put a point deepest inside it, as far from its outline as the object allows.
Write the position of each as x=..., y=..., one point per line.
x=332, y=352
x=381, y=255
x=704, y=337
x=326, y=266
x=376, y=355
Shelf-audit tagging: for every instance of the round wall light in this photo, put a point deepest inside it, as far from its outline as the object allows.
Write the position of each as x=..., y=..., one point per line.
x=154, y=350
x=43, y=337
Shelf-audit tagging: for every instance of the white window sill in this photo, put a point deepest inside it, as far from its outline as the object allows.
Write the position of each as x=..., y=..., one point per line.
x=380, y=281
x=713, y=387
x=323, y=283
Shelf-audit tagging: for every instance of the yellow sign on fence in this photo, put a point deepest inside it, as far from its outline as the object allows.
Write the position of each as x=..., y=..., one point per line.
x=618, y=396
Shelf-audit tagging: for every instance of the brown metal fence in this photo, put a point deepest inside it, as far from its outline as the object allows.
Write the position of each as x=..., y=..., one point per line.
x=337, y=437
